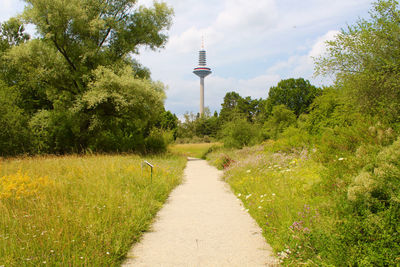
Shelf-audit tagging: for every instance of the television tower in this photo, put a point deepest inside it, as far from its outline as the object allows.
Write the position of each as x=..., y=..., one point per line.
x=202, y=71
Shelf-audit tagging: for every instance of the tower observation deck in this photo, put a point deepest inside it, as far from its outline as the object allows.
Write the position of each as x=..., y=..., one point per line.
x=202, y=71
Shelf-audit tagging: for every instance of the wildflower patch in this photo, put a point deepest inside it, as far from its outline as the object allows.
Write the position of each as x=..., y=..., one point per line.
x=21, y=185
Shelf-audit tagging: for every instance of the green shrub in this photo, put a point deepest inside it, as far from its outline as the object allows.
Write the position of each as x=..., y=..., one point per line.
x=292, y=139
x=240, y=133
x=156, y=142
x=280, y=119
x=372, y=230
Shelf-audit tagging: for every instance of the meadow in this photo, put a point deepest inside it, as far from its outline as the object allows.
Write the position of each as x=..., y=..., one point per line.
x=79, y=210
x=192, y=150
x=318, y=213
x=275, y=189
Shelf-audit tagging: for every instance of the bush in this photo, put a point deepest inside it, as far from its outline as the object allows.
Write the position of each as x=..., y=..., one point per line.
x=292, y=139
x=240, y=133
x=372, y=230
x=281, y=118
x=157, y=141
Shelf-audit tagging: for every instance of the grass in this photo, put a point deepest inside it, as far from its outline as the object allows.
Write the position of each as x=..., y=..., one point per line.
x=192, y=150
x=276, y=189
x=79, y=211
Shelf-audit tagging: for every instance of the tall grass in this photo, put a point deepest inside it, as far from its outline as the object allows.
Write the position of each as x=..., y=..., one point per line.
x=192, y=150
x=328, y=207
x=77, y=211
x=276, y=189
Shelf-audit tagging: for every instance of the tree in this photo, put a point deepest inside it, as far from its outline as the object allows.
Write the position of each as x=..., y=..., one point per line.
x=235, y=106
x=295, y=94
x=90, y=33
x=78, y=83
x=365, y=58
x=229, y=107
x=14, y=136
x=12, y=33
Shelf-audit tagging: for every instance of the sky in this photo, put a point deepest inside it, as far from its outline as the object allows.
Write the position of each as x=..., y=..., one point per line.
x=251, y=45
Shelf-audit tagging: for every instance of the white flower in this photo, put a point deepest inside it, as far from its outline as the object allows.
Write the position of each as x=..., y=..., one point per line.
x=248, y=171
x=239, y=195
x=248, y=196
x=273, y=194
x=262, y=200
x=259, y=207
x=108, y=253
x=340, y=159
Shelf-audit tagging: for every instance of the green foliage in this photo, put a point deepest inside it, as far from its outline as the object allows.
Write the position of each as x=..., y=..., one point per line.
x=375, y=208
x=157, y=141
x=198, y=129
x=365, y=59
x=90, y=33
x=14, y=136
x=12, y=33
x=239, y=133
x=168, y=121
x=292, y=139
x=295, y=94
x=235, y=106
x=280, y=119
x=77, y=84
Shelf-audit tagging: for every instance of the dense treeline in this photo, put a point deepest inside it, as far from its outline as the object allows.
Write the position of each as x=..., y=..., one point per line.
x=245, y=121
x=76, y=86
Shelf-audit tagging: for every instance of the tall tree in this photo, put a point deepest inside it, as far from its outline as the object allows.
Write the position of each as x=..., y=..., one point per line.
x=78, y=83
x=236, y=106
x=295, y=94
x=90, y=33
x=365, y=58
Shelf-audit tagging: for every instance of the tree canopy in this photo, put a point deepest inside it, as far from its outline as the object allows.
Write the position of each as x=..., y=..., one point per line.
x=295, y=94
x=78, y=83
x=365, y=59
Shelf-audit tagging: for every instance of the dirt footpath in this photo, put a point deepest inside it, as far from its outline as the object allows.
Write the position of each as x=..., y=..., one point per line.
x=202, y=224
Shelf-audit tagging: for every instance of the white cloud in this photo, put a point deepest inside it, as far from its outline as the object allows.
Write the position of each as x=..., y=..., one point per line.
x=243, y=15
x=251, y=44
x=319, y=48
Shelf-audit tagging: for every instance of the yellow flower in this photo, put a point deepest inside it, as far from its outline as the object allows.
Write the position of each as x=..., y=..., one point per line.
x=21, y=185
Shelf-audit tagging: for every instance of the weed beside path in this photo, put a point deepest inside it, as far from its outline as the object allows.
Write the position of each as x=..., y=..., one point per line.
x=76, y=211
x=276, y=189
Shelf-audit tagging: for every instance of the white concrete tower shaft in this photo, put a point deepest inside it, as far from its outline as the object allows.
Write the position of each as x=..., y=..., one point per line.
x=202, y=71
x=201, y=95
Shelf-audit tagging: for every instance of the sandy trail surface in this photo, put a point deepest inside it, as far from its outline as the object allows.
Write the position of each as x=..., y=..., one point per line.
x=202, y=224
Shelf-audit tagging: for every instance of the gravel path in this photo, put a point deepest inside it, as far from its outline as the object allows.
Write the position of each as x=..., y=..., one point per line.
x=202, y=224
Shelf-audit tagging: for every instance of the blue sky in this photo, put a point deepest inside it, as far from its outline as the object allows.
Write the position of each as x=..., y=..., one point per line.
x=251, y=45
